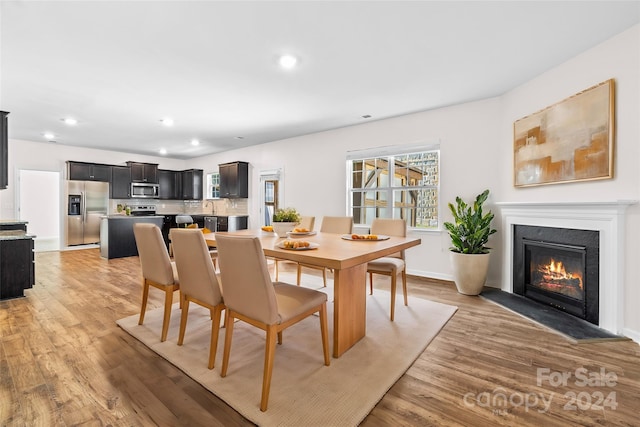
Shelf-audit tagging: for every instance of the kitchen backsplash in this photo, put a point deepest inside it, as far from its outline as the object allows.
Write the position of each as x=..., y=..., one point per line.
x=195, y=207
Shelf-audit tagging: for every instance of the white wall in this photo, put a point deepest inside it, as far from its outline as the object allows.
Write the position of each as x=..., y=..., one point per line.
x=476, y=153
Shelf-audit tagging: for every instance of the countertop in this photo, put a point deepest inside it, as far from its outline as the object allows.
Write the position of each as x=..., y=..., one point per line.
x=15, y=235
x=12, y=222
x=117, y=216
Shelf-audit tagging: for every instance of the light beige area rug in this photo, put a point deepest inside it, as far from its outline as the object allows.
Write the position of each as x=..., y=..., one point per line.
x=304, y=392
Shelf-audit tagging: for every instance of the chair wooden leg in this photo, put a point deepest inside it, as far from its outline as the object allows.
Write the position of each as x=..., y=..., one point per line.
x=370, y=283
x=404, y=286
x=145, y=296
x=168, y=301
x=299, y=274
x=275, y=267
x=324, y=277
x=215, y=332
x=324, y=330
x=183, y=320
x=269, y=352
x=228, y=320
x=393, y=295
x=280, y=337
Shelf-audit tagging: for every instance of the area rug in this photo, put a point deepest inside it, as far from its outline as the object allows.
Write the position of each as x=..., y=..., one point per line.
x=304, y=392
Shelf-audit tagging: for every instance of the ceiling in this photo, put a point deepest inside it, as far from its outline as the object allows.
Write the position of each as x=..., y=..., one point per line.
x=118, y=68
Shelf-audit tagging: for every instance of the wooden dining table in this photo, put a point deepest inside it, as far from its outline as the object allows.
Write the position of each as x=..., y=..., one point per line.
x=348, y=260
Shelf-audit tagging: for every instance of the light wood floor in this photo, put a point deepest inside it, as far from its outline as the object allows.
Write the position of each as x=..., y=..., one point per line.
x=63, y=362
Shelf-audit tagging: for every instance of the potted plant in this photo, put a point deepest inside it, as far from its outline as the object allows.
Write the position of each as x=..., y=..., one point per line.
x=285, y=220
x=469, y=234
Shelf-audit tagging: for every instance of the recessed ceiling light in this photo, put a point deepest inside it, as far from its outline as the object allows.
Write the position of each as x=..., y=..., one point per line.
x=49, y=136
x=167, y=121
x=288, y=61
x=163, y=151
x=70, y=121
x=238, y=137
x=195, y=142
x=366, y=116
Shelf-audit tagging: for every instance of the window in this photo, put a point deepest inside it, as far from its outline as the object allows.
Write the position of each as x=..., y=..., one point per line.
x=404, y=185
x=213, y=186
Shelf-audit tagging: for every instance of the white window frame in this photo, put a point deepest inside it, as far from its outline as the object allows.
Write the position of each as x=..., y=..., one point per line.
x=209, y=186
x=390, y=153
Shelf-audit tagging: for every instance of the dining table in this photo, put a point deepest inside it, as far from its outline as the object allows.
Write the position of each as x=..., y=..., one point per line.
x=348, y=259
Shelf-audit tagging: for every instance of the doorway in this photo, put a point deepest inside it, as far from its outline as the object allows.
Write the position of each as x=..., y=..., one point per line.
x=39, y=204
x=270, y=194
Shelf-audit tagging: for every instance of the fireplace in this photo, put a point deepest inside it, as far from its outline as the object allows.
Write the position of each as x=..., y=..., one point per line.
x=607, y=218
x=558, y=267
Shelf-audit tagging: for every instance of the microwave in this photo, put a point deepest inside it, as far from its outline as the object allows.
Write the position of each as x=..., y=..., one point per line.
x=143, y=189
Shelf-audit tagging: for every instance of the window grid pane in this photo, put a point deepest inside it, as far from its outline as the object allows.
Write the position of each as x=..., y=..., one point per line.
x=411, y=194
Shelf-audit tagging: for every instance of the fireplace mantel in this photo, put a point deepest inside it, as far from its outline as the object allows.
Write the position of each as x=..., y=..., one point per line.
x=605, y=217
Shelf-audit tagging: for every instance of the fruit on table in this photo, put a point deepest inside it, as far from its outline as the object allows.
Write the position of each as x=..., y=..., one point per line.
x=295, y=244
x=267, y=228
x=364, y=236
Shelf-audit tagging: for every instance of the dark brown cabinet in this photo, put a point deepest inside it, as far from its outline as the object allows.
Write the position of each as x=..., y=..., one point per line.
x=120, y=187
x=169, y=183
x=192, y=184
x=234, y=180
x=17, y=267
x=80, y=171
x=144, y=172
x=180, y=185
x=4, y=150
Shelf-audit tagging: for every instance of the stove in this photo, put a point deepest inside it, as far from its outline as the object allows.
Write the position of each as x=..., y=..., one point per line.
x=143, y=210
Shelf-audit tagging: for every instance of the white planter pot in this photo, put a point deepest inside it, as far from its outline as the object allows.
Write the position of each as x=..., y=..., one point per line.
x=469, y=272
x=281, y=228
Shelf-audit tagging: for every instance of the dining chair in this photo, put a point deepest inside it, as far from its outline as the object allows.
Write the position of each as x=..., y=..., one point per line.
x=199, y=282
x=306, y=222
x=252, y=297
x=389, y=265
x=213, y=252
x=157, y=270
x=330, y=224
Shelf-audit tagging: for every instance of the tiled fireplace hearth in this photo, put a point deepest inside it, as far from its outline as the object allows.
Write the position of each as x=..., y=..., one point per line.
x=605, y=218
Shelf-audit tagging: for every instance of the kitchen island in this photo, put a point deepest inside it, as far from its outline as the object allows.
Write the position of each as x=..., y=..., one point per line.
x=17, y=265
x=116, y=234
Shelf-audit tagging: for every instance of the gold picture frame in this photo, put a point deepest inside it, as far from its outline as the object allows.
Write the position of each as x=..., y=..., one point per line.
x=572, y=140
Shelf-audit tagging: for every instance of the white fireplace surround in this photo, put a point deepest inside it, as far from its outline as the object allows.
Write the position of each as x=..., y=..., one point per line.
x=606, y=217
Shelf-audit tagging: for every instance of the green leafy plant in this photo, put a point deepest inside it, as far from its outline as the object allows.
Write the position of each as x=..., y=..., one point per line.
x=471, y=228
x=286, y=215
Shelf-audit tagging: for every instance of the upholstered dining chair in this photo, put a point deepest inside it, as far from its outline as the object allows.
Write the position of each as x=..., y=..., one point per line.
x=213, y=252
x=199, y=282
x=157, y=270
x=330, y=224
x=390, y=265
x=252, y=297
x=306, y=222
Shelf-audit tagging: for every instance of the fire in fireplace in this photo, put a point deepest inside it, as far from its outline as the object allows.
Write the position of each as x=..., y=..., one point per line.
x=552, y=276
x=558, y=267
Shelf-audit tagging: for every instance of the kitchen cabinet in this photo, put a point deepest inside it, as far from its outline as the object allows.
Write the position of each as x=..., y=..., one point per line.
x=144, y=172
x=226, y=222
x=234, y=180
x=4, y=150
x=116, y=235
x=17, y=265
x=120, y=187
x=192, y=184
x=81, y=171
x=169, y=183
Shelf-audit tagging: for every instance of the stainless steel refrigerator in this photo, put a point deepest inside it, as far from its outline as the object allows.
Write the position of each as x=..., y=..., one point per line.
x=87, y=202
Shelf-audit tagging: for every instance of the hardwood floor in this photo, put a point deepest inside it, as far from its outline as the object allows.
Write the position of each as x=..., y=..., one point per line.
x=64, y=361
